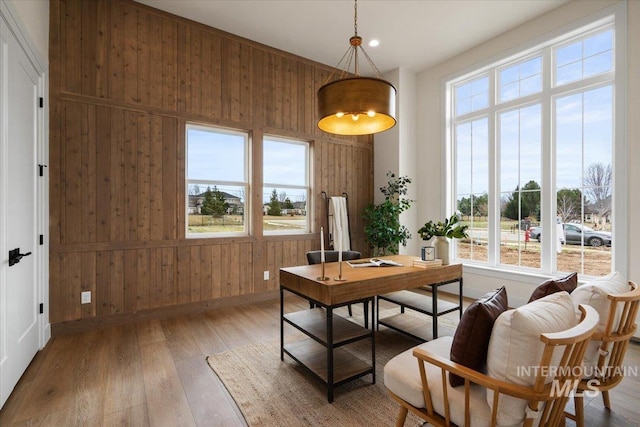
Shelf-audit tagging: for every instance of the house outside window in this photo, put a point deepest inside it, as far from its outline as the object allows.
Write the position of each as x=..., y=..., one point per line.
x=532, y=144
x=217, y=182
x=286, y=187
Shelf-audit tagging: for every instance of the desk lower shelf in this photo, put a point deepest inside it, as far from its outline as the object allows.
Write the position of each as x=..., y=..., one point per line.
x=314, y=324
x=419, y=302
x=323, y=353
x=415, y=327
x=313, y=356
x=429, y=305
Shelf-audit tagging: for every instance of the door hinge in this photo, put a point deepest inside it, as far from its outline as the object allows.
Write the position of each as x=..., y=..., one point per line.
x=41, y=308
x=42, y=239
x=41, y=102
x=41, y=169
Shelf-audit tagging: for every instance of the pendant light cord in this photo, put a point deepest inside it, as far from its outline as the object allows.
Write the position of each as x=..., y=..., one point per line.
x=352, y=53
x=355, y=17
x=355, y=29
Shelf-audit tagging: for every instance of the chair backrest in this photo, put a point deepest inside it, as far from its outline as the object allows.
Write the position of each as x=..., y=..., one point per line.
x=550, y=391
x=615, y=338
x=313, y=257
x=568, y=371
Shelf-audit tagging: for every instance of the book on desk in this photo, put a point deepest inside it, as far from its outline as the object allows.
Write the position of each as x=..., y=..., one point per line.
x=374, y=262
x=417, y=262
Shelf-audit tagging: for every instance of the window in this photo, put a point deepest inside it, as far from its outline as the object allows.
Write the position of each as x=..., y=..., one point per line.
x=472, y=147
x=217, y=182
x=523, y=78
x=532, y=155
x=584, y=144
x=584, y=58
x=286, y=186
x=520, y=146
x=472, y=96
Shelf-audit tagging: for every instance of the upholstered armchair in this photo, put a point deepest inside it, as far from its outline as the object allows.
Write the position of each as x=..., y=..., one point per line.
x=617, y=304
x=533, y=360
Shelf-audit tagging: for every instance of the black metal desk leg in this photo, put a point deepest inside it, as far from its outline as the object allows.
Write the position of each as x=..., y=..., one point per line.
x=366, y=315
x=281, y=324
x=330, y=354
x=373, y=341
x=434, y=295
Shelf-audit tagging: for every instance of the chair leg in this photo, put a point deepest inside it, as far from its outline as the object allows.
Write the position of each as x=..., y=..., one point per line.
x=605, y=399
x=402, y=416
x=350, y=312
x=578, y=402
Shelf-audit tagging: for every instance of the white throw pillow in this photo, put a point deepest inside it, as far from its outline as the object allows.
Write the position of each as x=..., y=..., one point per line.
x=594, y=293
x=515, y=348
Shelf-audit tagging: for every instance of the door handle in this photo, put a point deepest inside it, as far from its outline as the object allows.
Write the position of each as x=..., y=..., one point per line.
x=15, y=256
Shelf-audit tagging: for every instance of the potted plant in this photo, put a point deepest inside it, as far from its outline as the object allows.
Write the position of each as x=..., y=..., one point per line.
x=449, y=229
x=383, y=229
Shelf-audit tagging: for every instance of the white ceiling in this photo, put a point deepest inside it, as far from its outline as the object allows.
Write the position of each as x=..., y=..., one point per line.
x=413, y=34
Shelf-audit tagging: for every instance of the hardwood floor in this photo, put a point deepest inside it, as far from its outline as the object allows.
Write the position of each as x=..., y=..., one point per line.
x=154, y=373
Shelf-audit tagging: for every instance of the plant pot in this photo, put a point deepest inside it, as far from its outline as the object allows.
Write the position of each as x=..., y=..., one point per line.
x=442, y=249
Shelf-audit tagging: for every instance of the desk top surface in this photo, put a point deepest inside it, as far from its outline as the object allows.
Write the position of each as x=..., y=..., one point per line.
x=363, y=282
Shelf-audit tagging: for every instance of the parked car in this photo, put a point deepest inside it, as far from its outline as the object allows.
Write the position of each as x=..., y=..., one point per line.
x=534, y=232
x=575, y=234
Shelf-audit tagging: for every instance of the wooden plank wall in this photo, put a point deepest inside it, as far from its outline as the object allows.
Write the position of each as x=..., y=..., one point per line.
x=124, y=81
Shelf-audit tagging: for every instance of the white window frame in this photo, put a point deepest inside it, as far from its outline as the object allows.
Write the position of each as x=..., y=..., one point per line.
x=616, y=18
x=306, y=187
x=245, y=184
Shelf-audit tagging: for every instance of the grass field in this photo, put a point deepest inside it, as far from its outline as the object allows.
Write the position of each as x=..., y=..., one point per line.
x=588, y=260
x=235, y=223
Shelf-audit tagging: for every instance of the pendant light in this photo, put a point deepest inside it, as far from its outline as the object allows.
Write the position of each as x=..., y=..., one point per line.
x=356, y=105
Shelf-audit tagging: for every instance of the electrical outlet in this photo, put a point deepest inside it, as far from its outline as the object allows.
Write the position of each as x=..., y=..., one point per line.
x=85, y=297
x=266, y=275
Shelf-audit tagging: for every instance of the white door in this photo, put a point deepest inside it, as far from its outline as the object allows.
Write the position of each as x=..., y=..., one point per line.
x=19, y=305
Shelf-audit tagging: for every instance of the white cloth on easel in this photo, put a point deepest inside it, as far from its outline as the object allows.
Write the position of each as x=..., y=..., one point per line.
x=339, y=221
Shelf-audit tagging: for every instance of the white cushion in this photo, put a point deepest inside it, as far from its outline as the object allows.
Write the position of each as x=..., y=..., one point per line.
x=515, y=345
x=402, y=377
x=594, y=293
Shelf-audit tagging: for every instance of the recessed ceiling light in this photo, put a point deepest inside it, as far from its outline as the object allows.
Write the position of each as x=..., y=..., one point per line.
x=374, y=43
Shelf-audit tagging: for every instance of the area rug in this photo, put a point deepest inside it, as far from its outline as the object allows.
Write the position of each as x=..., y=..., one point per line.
x=271, y=392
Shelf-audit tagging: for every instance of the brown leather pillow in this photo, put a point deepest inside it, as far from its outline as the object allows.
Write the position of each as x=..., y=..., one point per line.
x=551, y=286
x=471, y=340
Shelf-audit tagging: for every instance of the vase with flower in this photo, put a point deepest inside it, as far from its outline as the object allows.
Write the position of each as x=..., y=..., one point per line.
x=450, y=228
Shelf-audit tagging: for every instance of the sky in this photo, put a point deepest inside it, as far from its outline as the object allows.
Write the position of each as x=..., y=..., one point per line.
x=218, y=155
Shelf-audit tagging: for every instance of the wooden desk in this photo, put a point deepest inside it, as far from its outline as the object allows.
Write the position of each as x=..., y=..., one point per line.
x=328, y=333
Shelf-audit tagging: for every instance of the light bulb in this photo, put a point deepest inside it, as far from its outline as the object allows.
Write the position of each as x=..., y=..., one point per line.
x=371, y=113
x=339, y=115
x=355, y=117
